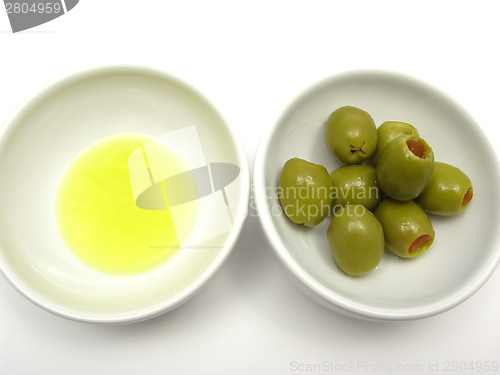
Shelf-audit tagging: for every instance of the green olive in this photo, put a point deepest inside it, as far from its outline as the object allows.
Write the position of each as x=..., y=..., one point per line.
x=408, y=231
x=389, y=131
x=356, y=240
x=405, y=167
x=305, y=192
x=448, y=193
x=355, y=184
x=351, y=135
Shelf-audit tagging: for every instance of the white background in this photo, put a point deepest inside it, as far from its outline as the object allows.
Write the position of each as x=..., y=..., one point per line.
x=253, y=56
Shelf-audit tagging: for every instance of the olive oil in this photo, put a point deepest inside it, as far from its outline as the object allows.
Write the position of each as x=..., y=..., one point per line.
x=97, y=214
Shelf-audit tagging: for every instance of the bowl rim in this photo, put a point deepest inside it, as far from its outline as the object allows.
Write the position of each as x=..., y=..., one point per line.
x=196, y=285
x=321, y=293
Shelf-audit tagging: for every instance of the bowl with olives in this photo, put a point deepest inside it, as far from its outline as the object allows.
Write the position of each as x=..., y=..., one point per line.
x=379, y=195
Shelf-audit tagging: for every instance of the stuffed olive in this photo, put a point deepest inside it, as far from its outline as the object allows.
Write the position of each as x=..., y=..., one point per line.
x=305, y=192
x=408, y=232
x=356, y=240
x=449, y=191
x=405, y=167
x=351, y=135
x=389, y=131
x=355, y=184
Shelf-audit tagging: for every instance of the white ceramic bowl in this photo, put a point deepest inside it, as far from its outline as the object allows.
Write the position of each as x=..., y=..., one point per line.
x=37, y=143
x=466, y=250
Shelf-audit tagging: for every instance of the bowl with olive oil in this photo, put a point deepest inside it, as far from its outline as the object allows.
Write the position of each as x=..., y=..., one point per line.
x=125, y=190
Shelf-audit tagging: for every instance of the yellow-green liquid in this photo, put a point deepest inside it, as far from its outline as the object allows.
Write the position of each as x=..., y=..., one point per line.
x=97, y=215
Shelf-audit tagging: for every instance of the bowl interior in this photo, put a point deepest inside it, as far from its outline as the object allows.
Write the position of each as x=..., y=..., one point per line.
x=466, y=248
x=38, y=144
